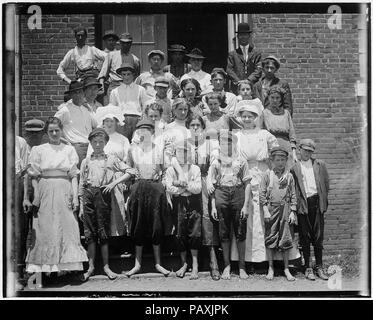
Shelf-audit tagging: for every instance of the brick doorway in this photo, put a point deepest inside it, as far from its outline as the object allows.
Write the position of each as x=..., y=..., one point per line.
x=208, y=32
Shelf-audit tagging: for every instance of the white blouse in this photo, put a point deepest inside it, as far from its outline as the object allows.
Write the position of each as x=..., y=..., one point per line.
x=48, y=157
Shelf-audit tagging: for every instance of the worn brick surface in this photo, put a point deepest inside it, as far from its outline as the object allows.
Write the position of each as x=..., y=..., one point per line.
x=321, y=66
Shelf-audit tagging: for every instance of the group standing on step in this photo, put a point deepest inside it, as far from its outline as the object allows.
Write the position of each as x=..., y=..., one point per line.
x=209, y=159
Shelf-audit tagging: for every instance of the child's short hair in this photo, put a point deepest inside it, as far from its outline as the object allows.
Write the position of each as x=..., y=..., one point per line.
x=155, y=107
x=247, y=82
x=219, y=97
x=195, y=116
x=98, y=132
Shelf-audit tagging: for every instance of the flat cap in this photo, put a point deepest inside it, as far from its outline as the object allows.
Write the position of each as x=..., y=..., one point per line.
x=145, y=123
x=156, y=52
x=97, y=132
x=307, y=144
x=34, y=125
x=162, y=82
x=279, y=151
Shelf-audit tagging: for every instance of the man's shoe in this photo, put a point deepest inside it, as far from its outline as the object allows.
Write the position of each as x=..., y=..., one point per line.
x=309, y=274
x=320, y=273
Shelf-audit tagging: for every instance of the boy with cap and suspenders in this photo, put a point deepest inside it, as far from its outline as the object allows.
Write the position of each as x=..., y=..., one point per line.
x=312, y=187
x=278, y=201
x=177, y=67
x=130, y=97
x=84, y=58
x=244, y=62
x=97, y=180
x=161, y=86
x=156, y=58
x=108, y=76
x=77, y=120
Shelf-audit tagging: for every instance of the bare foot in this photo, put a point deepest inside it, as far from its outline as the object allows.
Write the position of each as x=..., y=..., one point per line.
x=162, y=270
x=270, y=274
x=87, y=275
x=243, y=274
x=181, y=272
x=194, y=275
x=226, y=275
x=288, y=275
x=111, y=275
x=134, y=270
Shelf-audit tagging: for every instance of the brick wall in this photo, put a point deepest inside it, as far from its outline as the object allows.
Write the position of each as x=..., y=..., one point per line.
x=41, y=52
x=322, y=66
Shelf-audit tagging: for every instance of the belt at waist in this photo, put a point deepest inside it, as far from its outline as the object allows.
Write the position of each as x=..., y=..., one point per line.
x=277, y=203
x=80, y=143
x=56, y=174
x=230, y=187
x=131, y=115
x=313, y=197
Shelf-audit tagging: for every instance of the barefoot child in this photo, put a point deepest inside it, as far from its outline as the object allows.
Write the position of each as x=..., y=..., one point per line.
x=97, y=174
x=230, y=197
x=186, y=206
x=278, y=200
x=147, y=204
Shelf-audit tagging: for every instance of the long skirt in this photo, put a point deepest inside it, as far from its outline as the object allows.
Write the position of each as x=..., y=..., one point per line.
x=255, y=244
x=148, y=212
x=56, y=243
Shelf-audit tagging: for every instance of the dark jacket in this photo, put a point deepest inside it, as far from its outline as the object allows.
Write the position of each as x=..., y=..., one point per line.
x=238, y=69
x=322, y=185
x=258, y=93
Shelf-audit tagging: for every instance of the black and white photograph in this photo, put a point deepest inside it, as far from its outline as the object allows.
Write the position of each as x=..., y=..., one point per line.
x=186, y=150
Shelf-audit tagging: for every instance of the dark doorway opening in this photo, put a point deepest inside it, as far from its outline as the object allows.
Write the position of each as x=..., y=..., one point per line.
x=208, y=32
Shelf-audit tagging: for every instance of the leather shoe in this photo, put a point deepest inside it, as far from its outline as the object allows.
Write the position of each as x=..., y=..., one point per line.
x=309, y=274
x=320, y=273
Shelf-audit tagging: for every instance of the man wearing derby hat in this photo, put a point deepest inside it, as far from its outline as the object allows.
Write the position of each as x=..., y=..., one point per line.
x=76, y=119
x=312, y=188
x=108, y=76
x=84, y=58
x=130, y=97
x=243, y=62
x=196, y=59
x=156, y=58
x=177, y=67
x=91, y=89
x=110, y=40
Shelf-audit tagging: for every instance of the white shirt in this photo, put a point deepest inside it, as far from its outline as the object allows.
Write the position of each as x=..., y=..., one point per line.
x=77, y=121
x=309, y=181
x=245, y=51
x=81, y=58
x=202, y=77
x=22, y=152
x=130, y=98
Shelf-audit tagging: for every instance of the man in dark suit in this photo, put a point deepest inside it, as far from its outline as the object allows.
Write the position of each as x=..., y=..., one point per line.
x=312, y=187
x=244, y=62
